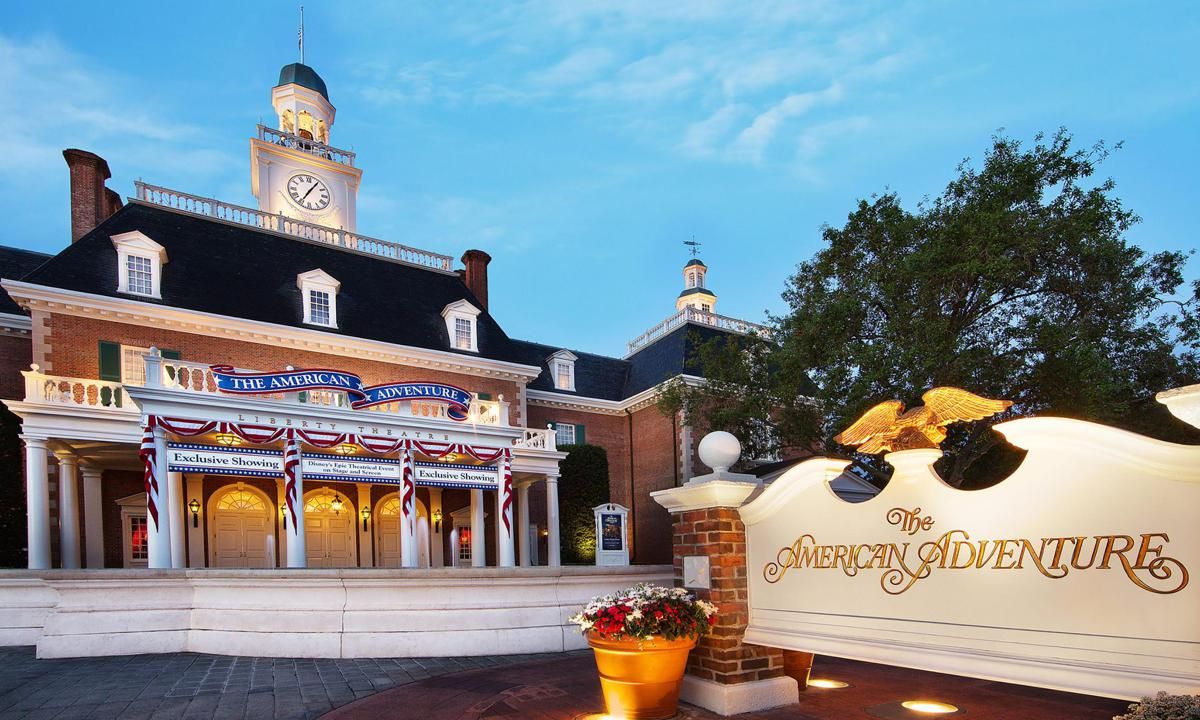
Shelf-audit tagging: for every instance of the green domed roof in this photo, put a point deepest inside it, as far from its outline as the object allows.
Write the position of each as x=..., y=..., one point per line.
x=304, y=76
x=695, y=261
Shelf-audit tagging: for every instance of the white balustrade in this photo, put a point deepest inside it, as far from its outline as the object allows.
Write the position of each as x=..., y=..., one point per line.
x=76, y=392
x=691, y=314
x=536, y=439
x=210, y=207
x=312, y=147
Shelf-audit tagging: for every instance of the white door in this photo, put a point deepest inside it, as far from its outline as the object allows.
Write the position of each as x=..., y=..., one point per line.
x=329, y=533
x=240, y=534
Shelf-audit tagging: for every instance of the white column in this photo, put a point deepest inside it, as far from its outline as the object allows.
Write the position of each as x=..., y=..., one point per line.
x=437, y=529
x=196, y=526
x=93, y=516
x=366, y=554
x=297, y=556
x=175, y=480
x=553, y=551
x=159, y=535
x=408, y=513
x=523, y=523
x=506, y=551
x=37, y=502
x=478, y=530
x=68, y=509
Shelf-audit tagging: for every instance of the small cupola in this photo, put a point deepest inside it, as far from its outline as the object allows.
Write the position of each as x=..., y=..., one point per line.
x=695, y=294
x=301, y=101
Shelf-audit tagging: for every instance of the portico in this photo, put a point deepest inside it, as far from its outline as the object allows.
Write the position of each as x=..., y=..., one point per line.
x=282, y=480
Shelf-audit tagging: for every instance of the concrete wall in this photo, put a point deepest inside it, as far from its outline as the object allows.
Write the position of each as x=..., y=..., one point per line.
x=304, y=613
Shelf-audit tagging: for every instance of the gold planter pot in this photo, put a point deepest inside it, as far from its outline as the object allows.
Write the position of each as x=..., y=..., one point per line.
x=640, y=678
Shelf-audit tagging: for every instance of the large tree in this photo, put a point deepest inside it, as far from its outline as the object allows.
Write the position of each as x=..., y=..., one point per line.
x=1018, y=281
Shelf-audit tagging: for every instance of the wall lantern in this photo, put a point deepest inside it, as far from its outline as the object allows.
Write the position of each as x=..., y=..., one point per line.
x=194, y=506
x=346, y=449
x=336, y=505
x=283, y=510
x=366, y=514
x=437, y=520
x=228, y=439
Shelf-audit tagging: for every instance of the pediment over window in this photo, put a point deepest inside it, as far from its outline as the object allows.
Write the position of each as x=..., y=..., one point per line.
x=462, y=326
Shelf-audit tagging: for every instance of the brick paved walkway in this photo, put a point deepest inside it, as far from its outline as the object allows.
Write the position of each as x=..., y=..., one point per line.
x=206, y=687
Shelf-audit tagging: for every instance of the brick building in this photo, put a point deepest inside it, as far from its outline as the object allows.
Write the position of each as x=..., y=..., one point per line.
x=422, y=434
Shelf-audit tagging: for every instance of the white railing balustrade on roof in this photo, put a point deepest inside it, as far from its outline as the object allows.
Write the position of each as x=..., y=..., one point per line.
x=694, y=315
x=312, y=147
x=283, y=225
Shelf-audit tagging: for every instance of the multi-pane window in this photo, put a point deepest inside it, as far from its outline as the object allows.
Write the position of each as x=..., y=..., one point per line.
x=564, y=434
x=464, y=545
x=139, y=548
x=562, y=378
x=139, y=276
x=133, y=365
x=318, y=307
x=705, y=307
x=462, y=333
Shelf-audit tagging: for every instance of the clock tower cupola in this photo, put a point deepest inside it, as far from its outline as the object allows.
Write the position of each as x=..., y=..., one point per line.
x=295, y=170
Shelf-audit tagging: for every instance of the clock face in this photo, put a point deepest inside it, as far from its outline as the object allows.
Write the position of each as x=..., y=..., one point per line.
x=308, y=192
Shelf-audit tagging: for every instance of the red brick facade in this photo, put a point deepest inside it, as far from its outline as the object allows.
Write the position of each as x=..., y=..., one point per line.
x=722, y=656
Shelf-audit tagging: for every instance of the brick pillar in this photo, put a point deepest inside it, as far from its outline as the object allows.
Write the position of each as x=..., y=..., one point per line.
x=90, y=203
x=721, y=657
x=724, y=674
x=476, y=263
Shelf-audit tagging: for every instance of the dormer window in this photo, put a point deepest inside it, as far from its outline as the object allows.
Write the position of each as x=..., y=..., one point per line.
x=562, y=370
x=139, y=264
x=461, y=325
x=319, y=290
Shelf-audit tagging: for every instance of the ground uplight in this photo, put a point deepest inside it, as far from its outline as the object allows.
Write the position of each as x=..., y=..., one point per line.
x=931, y=707
x=828, y=684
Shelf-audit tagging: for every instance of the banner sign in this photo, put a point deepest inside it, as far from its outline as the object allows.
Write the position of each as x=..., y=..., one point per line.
x=236, y=382
x=449, y=475
x=253, y=462
x=1076, y=572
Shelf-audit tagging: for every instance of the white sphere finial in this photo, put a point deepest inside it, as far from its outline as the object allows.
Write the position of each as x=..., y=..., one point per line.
x=719, y=450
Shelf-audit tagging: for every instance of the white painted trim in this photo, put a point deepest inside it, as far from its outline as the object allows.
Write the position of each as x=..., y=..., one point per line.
x=740, y=697
x=126, y=310
x=462, y=310
x=548, y=398
x=704, y=495
x=137, y=244
x=320, y=281
x=16, y=322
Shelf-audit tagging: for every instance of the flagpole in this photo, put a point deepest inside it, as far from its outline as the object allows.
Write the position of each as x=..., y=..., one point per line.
x=301, y=34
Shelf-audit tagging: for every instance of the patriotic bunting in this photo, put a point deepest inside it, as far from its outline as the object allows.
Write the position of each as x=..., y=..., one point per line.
x=506, y=490
x=291, y=466
x=149, y=457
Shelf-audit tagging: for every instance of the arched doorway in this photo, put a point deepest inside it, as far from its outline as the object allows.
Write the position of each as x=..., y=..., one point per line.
x=241, y=528
x=387, y=532
x=329, y=529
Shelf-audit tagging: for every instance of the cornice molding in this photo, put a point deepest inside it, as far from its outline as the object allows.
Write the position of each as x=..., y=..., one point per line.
x=88, y=305
x=640, y=401
x=22, y=324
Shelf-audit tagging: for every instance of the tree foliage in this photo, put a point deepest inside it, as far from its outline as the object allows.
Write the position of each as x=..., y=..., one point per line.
x=583, y=485
x=1018, y=281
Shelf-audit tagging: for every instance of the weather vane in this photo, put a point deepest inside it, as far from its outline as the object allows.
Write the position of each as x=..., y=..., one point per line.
x=301, y=38
x=693, y=246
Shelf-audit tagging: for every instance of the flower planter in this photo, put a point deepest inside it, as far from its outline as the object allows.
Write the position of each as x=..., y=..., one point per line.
x=640, y=678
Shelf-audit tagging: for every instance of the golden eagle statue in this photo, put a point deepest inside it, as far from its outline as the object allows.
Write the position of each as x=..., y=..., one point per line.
x=887, y=427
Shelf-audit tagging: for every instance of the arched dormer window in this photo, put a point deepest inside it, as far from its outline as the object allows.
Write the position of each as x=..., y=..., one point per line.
x=562, y=370
x=318, y=290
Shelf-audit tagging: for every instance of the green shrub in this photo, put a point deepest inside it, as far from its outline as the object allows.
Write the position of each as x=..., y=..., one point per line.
x=583, y=485
x=1164, y=707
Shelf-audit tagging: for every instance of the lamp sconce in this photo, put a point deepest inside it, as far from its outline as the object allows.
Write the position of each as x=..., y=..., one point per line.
x=194, y=506
x=283, y=510
x=336, y=505
x=437, y=520
x=366, y=515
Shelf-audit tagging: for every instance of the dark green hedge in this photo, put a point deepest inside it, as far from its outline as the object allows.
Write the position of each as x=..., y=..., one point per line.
x=583, y=485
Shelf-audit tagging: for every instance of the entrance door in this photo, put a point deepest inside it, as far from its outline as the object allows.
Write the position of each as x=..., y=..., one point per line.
x=329, y=530
x=241, y=530
x=387, y=532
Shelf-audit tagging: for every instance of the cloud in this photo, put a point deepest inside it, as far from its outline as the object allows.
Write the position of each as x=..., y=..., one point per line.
x=754, y=139
x=578, y=67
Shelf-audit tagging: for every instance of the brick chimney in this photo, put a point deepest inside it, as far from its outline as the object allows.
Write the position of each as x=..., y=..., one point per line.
x=476, y=262
x=91, y=202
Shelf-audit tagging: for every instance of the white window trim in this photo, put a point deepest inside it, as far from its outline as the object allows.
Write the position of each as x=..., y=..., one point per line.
x=137, y=244
x=567, y=358
x=462, y=310
x=558, y=429
x=131, y=507
x=320, y=281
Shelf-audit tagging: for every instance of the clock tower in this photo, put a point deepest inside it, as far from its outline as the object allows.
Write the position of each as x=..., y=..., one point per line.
x=294, y=170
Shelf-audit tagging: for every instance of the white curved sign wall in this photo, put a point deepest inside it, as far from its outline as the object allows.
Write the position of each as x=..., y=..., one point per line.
x=1078, y=572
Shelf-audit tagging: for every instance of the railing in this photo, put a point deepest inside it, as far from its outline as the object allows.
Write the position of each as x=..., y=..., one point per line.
x=193, y=377
x=241, y=215
x=535, y=439
x=691, y=314
x=75, y=392
x=312, y=147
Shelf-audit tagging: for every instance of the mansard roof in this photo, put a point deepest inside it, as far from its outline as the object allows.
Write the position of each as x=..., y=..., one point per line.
x=16, y=263
x=242, y=272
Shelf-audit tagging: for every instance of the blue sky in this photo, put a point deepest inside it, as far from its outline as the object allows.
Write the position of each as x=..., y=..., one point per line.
x=581, y=143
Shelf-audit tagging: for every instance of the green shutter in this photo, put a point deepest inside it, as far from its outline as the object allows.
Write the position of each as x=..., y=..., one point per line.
x=580, y=439
x=484, y=396
x=110, y=361
x=172, y=354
